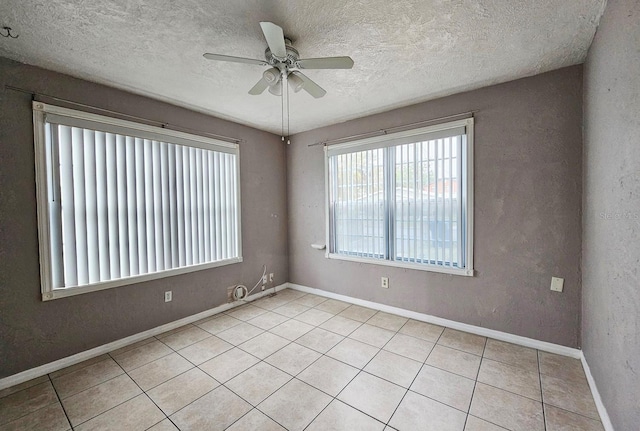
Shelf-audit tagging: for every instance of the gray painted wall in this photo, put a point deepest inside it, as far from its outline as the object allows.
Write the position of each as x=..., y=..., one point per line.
x=611, y=212
x=528, y=152
x=33, y=332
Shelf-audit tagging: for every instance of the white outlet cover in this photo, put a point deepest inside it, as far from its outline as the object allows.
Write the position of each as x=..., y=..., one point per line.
x=168, y=296
x=557, y=284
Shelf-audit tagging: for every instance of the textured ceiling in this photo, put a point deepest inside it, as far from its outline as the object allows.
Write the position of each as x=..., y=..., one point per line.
x=405, y=51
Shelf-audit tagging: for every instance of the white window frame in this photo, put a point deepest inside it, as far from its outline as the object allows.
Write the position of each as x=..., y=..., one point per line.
x=405, y=136
x=40, y=111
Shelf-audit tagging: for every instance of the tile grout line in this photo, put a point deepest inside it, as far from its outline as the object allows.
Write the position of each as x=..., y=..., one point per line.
x=60, y=401
x=417, y=374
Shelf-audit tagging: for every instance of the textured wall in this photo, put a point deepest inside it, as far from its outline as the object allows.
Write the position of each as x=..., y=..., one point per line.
x=528, y=151
x=611, y=212
x=33, y=332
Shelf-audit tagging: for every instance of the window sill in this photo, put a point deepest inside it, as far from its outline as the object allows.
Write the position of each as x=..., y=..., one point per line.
x=429, y=268
x=79, y=290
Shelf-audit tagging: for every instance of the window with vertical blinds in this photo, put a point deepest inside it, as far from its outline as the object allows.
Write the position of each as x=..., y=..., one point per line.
x=121, y=202
x=404, y=199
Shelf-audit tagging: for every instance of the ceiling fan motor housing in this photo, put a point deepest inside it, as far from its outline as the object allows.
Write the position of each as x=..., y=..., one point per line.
x=289, y=61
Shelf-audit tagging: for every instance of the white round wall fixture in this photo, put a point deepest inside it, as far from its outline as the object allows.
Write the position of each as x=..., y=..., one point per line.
x=240, y=292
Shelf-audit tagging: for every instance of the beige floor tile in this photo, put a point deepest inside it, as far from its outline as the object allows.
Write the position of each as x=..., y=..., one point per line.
x=448, y=388
x=572, y=395
x=291, y=309
x=340, y=417
x=512, y=354
x=332, y=306
x=94, y=401
x=291, y=329
x=215, y=411
x=33, y=382
x=268, y=320
x=506, y=409
x=134, y=358
x=159, y=371
x=264, y=344
x=422, y=330
x=255, y=420
x=510, y=378
x=373, y=396
x=561, y=367
x=295, y=405
x=341, y=325
x=84, y=378
x=319, y=340
x=314, y=317
x=176, y=393
x=464, y=341
x=388, y=321
x=562, y=420
x=26, y=401
x=353, y=352
x=137, y=414
x=328, y=375
x=49, y=418
x=229, y=364
x=219, y=323
x=239, y=333
x=395, y=368
x=204, y=350
x=310, y=300
x=293, y=358
x=455, y=361
x=418, y=412
x=165, y=425
x=357, y=313
x=246, y=312
x=271, y=302
x=290, y=294
x=477, y=424
x=174, y=331
x=129, y=347
x=372, y=335
x=410, y=347
x=91, y=361
x=185, y=338
x=258, y=382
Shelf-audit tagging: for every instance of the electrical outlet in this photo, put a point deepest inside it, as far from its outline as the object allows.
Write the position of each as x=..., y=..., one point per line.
x=557, y=284
x=384, y=282
x=168, y=296
x=271, y=277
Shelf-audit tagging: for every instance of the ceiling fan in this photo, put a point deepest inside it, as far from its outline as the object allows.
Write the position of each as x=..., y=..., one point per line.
x=285, y=65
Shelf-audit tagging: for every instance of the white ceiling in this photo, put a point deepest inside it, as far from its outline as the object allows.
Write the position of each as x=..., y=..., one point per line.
x=405, y=51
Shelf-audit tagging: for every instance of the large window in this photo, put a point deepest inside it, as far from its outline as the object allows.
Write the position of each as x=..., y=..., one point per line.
x=121, y=202
x=404, y=199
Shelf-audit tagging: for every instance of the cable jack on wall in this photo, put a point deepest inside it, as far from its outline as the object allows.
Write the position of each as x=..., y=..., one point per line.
x=6, y=32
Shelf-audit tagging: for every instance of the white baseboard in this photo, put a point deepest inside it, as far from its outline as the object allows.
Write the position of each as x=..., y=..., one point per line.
x=478, y=330
x=106, y=348
x=602, y=410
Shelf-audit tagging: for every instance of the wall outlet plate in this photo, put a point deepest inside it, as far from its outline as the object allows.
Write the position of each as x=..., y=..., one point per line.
x=557, y=284
x=384, y=282
x=271, y=277
x=168, y=296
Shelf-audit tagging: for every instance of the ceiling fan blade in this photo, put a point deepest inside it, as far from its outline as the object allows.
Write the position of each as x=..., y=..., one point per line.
x=232, y=59
x=311, y=87
x=275, y=39
x=259, y=87
x=325, y=63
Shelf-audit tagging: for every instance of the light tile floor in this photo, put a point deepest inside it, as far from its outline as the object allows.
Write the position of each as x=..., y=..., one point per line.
x=297, y=361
